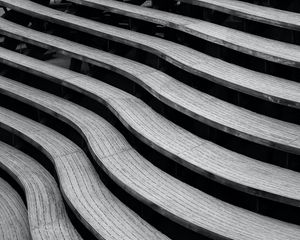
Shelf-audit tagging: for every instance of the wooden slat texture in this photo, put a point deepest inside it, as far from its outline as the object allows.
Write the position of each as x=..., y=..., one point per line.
x=205, y=159
x=229, y=75
x=174, y=199
x=13, y=215
x=271, y=50
x=271, y=16
x=81, y=186
x=283, y=53
x=202, y=107
x=46, y=211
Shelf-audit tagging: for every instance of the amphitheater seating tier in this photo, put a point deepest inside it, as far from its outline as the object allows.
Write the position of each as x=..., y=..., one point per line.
x=94, y=205
x=229, y=75
x=189, y=207
x=13, y=214
x=261, y=14
x=205, y=108
x=205, y=159
x=46, y=211
x=271, y=50
x=96, y=176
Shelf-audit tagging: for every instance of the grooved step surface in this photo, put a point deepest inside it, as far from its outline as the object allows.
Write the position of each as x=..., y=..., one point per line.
x=13, y=214
x=199, y=155
x=180, y=202
x=271, y=50
x=91, y=201
x=200, y=106
x=241, y=79
x=46, y=211
x=268, y=15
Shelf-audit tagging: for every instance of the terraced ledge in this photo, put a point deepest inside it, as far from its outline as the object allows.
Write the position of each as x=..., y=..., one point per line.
x=13, y=214
x=165, y=194
x=46, y=211
x=271, y=50
x=102, y=213
x=201, y=156
x=271, y=16
x=200, y=106
x=241, y=79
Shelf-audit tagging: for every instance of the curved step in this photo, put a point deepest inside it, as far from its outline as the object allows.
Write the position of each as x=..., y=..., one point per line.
x=229, y=75
x=200, y=106
x=271, y=50
x=197, y=154
x=13, y=214
x=46, y=211
x=268, y=49
x=267, y=15
x=91, y=201
x=165, y=194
